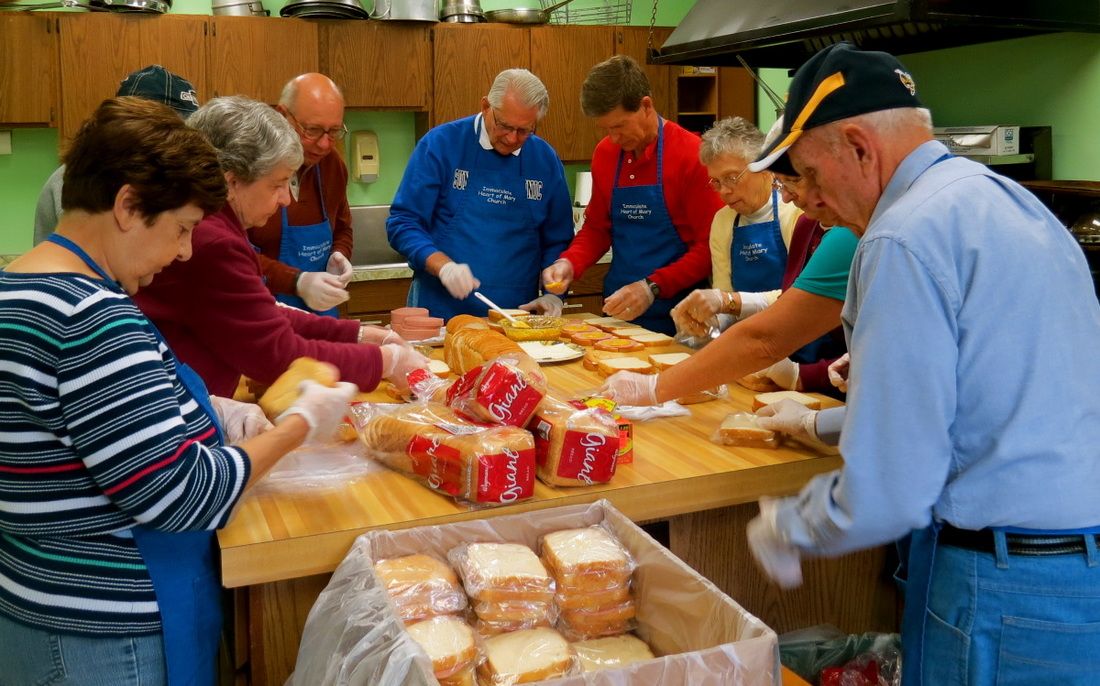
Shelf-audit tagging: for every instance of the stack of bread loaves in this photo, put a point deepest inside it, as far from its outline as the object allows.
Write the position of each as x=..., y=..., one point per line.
x=592, y=573
x=508, y=586
x=421, y=586
x=574, y=446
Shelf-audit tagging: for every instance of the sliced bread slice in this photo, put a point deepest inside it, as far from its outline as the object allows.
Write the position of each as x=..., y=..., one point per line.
x=652, y=339
x=742, y=429
x=609, y=366
x=762, y=399
x=663, y=361
x=521, y=657
x=448, y=641
x=611, y=652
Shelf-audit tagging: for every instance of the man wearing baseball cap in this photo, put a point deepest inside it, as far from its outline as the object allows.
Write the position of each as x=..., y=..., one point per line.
x=973, y=420
x=152, y=83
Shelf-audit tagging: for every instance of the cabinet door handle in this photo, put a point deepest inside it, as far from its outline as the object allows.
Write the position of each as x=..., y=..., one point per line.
x=377, y=322
x=572, y=306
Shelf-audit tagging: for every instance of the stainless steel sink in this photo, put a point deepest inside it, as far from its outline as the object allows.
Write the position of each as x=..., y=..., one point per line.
x=371, y=248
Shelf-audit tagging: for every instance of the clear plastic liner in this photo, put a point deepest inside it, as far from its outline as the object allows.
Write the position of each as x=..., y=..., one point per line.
x=742, y=429
x=316, y=467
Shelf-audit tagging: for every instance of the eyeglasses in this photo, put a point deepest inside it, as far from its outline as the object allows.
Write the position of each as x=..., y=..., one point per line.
x=507, y=129
x=313, y=133
x=728, y=181
x=792, y=187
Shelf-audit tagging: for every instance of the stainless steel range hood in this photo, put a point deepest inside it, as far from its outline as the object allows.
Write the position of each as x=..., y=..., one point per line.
x=784, y=33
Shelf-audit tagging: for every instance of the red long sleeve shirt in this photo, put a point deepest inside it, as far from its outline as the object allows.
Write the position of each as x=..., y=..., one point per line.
x=218, y=316
x=690, y=200
x=307, y=210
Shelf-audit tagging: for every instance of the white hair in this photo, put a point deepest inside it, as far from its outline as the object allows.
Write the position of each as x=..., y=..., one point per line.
x=526, y=86
x=252, y=139
x=886, y=123
x=731, y=136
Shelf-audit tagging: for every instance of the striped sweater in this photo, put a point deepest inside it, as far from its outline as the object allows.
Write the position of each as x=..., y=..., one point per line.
x=97, y=434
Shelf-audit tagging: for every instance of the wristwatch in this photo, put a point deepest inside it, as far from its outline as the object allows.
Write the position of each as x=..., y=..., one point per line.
x=653, y=287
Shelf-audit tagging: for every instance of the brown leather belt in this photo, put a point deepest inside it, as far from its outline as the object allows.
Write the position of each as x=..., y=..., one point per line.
x=1018, y=544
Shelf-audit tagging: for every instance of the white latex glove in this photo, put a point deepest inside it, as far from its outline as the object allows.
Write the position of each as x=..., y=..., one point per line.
x=398, y=361
x=838, y=372
x=340, y=267
x=322, y=407
x=557, y=277
x=321, y=290
x=776, y=556
x=239, y=421
x=548, y=304
x=630, y=388
x=751, y=303
x=376, y=335
x=458, y=280
x=789, y=417
x=784, y=373
x=629, y=302
x=697, y=313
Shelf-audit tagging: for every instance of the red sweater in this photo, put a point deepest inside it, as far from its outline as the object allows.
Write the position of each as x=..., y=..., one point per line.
x=218, y=316
x=690, y=200
x=307, y=210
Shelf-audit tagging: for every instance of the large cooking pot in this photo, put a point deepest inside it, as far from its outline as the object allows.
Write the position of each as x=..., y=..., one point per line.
x=522, y=15
x=406, y=10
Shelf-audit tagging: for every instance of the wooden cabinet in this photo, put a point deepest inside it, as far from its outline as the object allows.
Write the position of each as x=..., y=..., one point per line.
x=634, y=41
x=561, y=56
x=705, y=97
x=371, y=301
x=465, y=60
x=28, y=68
x=586, y=293
x=736, y=93
x=380, y=65
x=256, y=56
x=98, y=50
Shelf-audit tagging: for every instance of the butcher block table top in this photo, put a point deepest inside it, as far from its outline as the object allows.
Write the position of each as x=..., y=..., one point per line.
x=275, y=536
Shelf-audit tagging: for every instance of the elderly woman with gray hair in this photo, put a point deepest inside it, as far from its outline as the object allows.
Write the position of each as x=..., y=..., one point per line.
x=215, y=309
x=472, y=212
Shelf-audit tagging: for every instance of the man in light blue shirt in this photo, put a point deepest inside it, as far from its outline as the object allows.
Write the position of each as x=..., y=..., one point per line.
x=973, y=418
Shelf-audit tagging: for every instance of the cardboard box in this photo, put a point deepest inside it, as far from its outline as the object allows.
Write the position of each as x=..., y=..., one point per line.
x=701, y=636
x=979, y=140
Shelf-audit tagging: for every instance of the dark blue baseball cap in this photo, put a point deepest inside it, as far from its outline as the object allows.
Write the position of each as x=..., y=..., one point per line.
x=157, y=83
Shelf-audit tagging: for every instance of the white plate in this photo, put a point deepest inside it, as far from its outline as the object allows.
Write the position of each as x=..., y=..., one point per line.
x=549, y=353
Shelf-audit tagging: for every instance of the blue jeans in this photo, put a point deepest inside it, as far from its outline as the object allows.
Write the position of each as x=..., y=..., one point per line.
x=1012, y=620
x=35, y=657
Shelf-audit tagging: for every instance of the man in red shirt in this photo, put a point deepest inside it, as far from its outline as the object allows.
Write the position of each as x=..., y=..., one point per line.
x=651, y=203
x=305, y=248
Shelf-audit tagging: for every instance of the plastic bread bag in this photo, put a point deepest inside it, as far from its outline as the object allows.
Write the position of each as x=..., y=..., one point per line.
x=497, y=392
x=502, y=572
x=317, y=466
x=499, y=616
x=488, y=465
x=586, y=560
x=719, y=392
x=525, y=656
x=451, y=645
x=575, y=445
x=742, y=429
x=421, y=586
x=578, y=625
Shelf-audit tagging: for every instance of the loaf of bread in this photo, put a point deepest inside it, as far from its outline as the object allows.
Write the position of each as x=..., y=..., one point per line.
x=428, y=440
x=574, y=447
x=611, y=652
x=449, y=643
x=421, y=586
x=762, y=399
x=470, y=343
x=522, y=657
x=502, y=572
x=609, y=366
x=497, y=392
x=586, y=559
x=284, y=392
x=662, y=361
x=742, y=429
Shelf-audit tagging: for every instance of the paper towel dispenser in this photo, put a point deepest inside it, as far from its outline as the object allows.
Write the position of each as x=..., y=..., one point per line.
x=364, y=154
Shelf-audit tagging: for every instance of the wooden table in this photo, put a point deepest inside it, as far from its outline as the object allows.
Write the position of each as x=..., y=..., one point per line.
x=285, y=545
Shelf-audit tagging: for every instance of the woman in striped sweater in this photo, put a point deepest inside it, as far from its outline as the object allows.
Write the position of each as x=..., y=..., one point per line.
x=113, y=468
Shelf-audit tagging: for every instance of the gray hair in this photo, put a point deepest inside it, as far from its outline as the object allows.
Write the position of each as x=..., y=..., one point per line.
x=252, y=138
x=526, y=86
x=731, y=136
x=887, y=123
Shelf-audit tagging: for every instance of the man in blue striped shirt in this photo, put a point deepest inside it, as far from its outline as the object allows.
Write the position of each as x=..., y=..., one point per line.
x=973, y=416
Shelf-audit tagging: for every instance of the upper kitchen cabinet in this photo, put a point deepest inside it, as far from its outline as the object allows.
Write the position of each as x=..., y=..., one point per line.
x=736, y=93
x=634, y=41
x=379, y=64
x=466, y=58
x=28, y=68
x=561, y=56
x=98, y=50
x=256, y=56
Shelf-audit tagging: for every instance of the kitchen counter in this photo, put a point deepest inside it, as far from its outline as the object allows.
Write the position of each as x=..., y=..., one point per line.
x=284, y=545
x=378, y=272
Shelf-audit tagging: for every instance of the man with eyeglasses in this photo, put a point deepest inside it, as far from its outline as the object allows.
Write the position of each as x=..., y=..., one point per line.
x=305, y=248
x=484, y=205
x=651, y=203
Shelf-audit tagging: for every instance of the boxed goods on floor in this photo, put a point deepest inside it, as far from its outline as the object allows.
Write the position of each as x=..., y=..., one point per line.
x=353, y=634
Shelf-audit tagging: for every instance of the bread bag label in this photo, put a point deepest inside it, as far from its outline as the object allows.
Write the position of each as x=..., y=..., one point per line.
x=495, y=392
x=507, y=476
x=438, y=464
x=588, y=457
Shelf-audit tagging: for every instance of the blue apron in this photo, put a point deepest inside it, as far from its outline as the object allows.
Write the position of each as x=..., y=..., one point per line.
x=181, y=565
x=644, y=239
x=758, y=255
x=306, y=247
x=493, y=232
